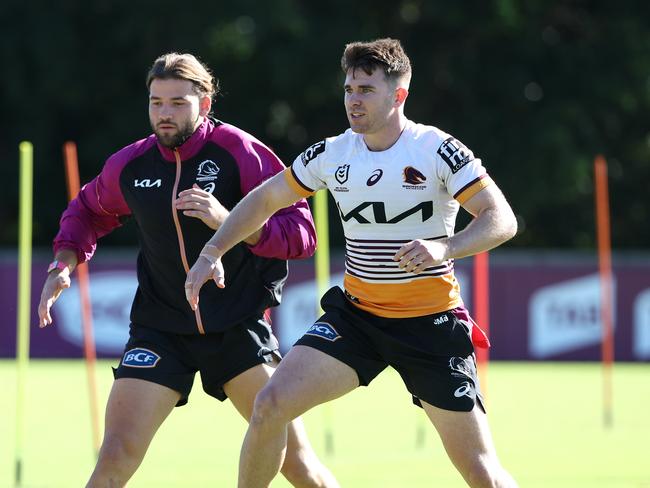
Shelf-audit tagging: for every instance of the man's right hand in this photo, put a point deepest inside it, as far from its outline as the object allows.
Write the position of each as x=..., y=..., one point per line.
x=55, y=283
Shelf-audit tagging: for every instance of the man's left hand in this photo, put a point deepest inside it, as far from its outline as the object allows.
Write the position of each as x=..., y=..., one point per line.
x=418, y=255
x=203, y=205
x=204, y=269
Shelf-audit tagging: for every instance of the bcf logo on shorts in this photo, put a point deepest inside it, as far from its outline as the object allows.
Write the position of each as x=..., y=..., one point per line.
x=140, y=358
x=324, y=331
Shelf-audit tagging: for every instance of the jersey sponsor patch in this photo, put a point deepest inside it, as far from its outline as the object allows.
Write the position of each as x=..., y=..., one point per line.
x=311, y=152
x=140, y=358
x=324, y=331
x=455, y=154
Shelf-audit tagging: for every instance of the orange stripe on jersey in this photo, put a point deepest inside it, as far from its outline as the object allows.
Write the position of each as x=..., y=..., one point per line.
x=296, y=185
x=472, y=188
x=399, y=300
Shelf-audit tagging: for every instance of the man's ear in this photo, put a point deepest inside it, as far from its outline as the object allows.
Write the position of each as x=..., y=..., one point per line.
x=205, y=104
x=400, y=96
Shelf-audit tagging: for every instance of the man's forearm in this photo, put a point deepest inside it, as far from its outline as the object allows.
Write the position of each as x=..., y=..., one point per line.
x=244, y=223
x=489, y=229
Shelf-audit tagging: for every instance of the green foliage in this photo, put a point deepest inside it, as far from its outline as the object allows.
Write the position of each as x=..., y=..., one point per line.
x=535, y=88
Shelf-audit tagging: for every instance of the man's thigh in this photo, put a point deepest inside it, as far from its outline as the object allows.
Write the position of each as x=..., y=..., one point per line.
x=307, y=377
x=136, y=408
x=465, y=435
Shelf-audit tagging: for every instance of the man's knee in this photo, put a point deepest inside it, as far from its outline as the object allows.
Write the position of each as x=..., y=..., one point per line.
x=120, y=452
x=270, y=406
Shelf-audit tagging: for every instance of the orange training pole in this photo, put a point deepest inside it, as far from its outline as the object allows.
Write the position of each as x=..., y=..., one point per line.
x=72, y=180
x=481, y=312
x=605, y=268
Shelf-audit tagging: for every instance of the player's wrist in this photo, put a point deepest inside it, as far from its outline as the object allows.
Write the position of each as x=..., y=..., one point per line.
x=58, y=267
x=211, y=253
x=448, y=248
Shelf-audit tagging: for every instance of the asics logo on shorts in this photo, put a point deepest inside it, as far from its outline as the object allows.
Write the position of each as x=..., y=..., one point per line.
x=140, y=358
x=324, y=331
x=465, y=389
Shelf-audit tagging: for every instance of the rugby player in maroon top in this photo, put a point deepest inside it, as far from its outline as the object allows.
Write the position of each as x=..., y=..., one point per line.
x=178, y=185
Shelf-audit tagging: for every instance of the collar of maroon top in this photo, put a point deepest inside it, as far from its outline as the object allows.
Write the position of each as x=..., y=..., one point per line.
x=191, y=146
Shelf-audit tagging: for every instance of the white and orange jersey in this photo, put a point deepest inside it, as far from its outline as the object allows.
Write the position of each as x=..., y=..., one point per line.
x=413, y=190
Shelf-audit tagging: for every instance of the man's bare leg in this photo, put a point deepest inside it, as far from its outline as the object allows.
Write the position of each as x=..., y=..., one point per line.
x=467, y=439
x=135, y=410
x=305, y=378
x=301, y=466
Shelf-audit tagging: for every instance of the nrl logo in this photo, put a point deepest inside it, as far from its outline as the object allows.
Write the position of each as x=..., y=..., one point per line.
x=341, y=174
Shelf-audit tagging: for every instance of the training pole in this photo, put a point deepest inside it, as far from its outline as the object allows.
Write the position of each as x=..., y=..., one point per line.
x=605, y=269
x=72, y=181
x=322, y=264
x=26, y=152
x=481, y=299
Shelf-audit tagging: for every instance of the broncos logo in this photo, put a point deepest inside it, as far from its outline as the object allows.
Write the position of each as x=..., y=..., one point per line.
x=208, y=168
x=413, y=177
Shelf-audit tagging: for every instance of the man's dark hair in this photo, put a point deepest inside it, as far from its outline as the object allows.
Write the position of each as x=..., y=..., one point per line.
x=184, y=67
x=386, y=54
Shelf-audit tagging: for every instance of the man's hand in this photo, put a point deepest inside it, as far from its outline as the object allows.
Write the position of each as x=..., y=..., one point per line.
x=201, y=204
x=416, y=256
x=206, y=267
x=55, y=283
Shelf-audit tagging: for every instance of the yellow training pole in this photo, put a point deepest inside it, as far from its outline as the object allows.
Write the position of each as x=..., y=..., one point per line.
x=24, y=293
x=322, y=264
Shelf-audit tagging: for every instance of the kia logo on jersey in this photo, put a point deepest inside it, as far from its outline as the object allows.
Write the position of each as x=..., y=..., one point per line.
x=147, y=183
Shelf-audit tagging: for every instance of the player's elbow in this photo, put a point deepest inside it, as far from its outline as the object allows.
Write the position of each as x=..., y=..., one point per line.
x=509, y=225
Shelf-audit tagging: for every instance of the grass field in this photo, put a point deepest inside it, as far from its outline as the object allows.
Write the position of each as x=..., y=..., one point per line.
x=546, y=419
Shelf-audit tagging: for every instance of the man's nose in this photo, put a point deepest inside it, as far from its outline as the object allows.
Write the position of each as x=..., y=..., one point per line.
x=353, y=100
x=165, y=112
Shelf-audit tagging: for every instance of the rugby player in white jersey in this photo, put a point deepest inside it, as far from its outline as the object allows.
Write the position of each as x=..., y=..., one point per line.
x=398, y=186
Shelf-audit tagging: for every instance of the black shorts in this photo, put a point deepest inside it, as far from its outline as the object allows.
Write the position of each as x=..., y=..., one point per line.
x=433, y=354
x=172, y=360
